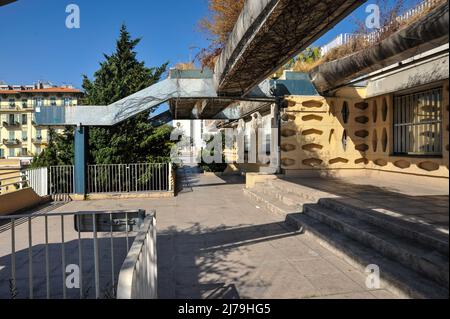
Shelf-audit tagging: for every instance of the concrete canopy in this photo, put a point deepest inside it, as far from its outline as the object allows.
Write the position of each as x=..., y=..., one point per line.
x=270, y=32
x=5, y=2
x=427, y=33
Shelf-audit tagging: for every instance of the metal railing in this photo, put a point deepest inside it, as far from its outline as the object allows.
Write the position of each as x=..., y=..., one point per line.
x=50, y=257
x=130, y=178
x=375, y=36
x=38, y=180
x=138, y=278
x=61, y=180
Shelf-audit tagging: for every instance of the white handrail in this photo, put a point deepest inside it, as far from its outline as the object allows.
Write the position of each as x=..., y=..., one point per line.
x=138, y=275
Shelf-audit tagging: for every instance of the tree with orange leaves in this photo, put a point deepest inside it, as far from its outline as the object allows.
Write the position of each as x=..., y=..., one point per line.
x=218, y=25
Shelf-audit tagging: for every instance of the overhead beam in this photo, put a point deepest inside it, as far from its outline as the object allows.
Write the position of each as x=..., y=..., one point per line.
x=268, y=34
x=5, y=2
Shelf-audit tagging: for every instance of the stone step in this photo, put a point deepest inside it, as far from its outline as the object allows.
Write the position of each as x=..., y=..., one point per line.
x=268, y=202
x=421, y=234
x=394, y=277
x=306, y=193
x=409, y=253
x=289, y=199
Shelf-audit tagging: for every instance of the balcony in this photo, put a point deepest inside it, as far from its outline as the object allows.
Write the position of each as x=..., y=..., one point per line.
x=11, y=142
x=15, y=124
x=39, y=141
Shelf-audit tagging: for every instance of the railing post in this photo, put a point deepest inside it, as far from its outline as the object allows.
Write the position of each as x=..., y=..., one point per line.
x=81, y=136
x=171, y=186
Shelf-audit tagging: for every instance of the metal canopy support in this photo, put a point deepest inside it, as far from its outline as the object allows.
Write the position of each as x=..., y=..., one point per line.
x=81, y=149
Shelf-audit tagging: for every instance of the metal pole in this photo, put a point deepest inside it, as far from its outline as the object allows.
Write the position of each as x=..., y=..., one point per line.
x=47, y=259
x=80, y=257
x=13, y=254
x=30, y=259
x=96, y=260
x=63, y=258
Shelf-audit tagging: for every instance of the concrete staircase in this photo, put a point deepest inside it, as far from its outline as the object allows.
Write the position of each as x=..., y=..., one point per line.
x=413, y=261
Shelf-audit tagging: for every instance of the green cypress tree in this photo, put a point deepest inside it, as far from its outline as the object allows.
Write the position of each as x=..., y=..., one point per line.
x=135, y=140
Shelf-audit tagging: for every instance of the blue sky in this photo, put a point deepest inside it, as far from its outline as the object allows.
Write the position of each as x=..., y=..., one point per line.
x=36, y=45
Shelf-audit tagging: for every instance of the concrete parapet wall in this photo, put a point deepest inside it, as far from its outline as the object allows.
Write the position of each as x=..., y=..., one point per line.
x=254, y=178
x=18, y=200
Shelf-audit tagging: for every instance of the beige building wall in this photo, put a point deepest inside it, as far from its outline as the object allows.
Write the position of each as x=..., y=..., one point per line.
x=27, y=138
x=327, y=136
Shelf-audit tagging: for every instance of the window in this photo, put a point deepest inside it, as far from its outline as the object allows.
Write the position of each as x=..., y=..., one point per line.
x=38, y=102
x=38, y=150
x=12, y=152
x=24, y=119
x=12, y=135
x=11, y=119
x=2, y=153
x=67, y=101
x=12, y=103
x=24, y=103
x=53, y=101
x=38, y=134
x=418, y=123
x=24, y=151
x=24, y=136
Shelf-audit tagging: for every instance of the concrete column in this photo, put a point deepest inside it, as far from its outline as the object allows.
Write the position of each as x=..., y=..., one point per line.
x=81, y=149
x=276, y=139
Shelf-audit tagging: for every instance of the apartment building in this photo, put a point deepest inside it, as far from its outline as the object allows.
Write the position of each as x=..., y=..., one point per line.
x=20, y=137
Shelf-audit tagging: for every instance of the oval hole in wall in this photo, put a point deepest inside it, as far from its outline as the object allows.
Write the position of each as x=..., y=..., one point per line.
x=331, y=137
x=429, y=166
x=381, y=162
x=338, y=160
x=362, y=133
x=384, y=140
x=313, y=162
x=288, y=147
x=312, y=104
x=402, y=164
x=312, y=131
x=364, y=161
x=375, y=141
x=385, y=110
x=345, y=112
x=288, y=132
x=344, y=141
x=288, y=162
x=375, y=111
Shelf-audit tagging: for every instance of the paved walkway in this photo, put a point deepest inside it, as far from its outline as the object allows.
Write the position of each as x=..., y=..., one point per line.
x=214, y=243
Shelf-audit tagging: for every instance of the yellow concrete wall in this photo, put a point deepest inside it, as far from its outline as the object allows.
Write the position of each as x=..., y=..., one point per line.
x=18, y=200
x=251, y=179
x=9, y=173
x=313, y=129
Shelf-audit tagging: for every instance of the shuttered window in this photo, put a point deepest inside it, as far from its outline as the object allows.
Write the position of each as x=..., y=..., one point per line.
x=418, y=123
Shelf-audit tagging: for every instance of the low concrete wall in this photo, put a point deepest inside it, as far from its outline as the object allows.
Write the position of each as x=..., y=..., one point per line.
x=18, y=200
x=124, y=196
x=251, y=179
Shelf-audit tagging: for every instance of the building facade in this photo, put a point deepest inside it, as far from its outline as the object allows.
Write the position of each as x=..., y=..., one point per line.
x=394, y=126
x=20, y=137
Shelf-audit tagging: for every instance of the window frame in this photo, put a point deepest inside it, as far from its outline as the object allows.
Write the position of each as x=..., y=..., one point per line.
x=437, y=122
